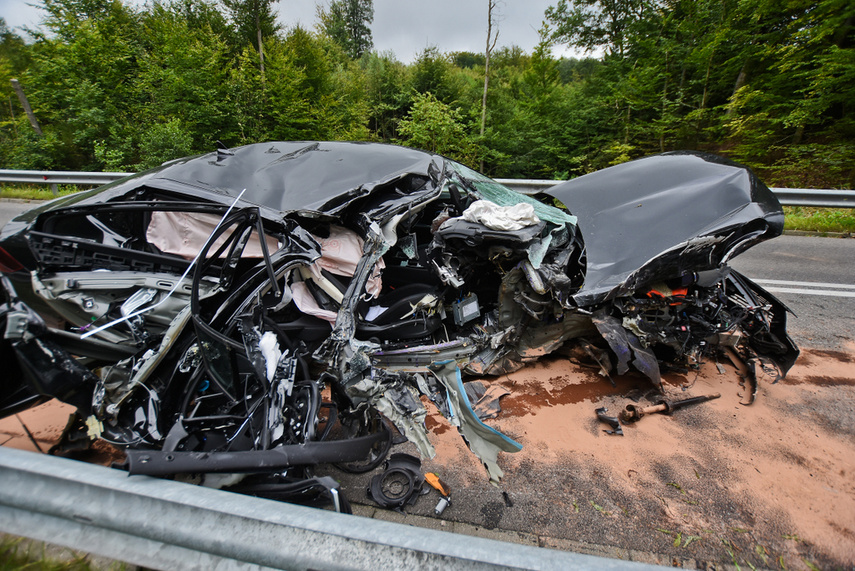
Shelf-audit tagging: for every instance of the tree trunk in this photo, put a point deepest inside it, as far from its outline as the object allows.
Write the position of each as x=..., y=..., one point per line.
x=26, y=105
x=260, y=46
x=626, y=127
x=741, y=80
x=703, y=100
x=12, y=113
x=797, y=137
x=664, y=107
x=489, y=49
x=840, y=35
x=706, y=83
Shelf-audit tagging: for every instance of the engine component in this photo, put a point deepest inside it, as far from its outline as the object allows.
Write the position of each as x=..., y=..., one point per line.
x=633, y=413
x=399, y=484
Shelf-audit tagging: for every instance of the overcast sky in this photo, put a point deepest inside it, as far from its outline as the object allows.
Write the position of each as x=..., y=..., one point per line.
x=404, y=27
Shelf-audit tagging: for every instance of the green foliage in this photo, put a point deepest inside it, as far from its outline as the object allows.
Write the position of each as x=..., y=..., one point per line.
x=14, y=59
x=78, y=81
x=595, y=24
x=111, y=157
x=34, y=192
x=812, y=165
x=433, y=126
x=819, y=219
x=253, y=21
x=182, y=72
x=124, y=86
x=575, y=70
x=747, y=78
x=467, y=60
x=542, y=74
x=347, y=23
x=387, y=95
x=164, y=142
x=433, y=73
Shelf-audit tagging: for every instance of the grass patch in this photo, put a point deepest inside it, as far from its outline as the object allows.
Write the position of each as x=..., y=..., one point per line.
x=36, y=192
x=19, y=553
x=811, y=219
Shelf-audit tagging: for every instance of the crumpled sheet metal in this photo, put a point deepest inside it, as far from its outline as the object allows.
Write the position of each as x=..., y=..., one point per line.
x=484, y=441
x=398, y=402
x=627, y=347
x=486, y=399
x=633, y=212
x=669, y=217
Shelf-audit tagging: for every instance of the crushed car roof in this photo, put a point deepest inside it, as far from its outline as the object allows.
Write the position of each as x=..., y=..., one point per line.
x=286, y=175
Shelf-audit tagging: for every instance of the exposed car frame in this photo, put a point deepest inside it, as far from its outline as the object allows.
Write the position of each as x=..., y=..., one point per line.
x=264, y=309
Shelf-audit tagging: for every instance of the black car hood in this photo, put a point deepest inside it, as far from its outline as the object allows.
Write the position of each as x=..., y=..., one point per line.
x=665, y=215
x=280, y=176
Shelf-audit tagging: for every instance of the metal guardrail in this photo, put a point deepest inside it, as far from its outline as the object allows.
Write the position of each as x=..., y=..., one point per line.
x=828, y=198
x=60, y=177
x=528, y=186
x=54, y=178
x=815, y=197
x=788, y=196
x=165, y=524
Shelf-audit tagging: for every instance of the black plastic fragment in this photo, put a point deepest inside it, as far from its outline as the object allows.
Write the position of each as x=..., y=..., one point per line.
x=610, y=420
x=507, y=499
x=162, y=463
x=399, y=484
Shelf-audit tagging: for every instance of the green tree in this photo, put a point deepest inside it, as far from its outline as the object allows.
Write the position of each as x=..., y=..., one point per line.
x=184, y=76
x=388, y=97
x=80, y=81
x=14, y=59
x=206, y=15
x=254, y=21
x=432, y=73
x=347, y=23
x=433, y=126
x=542, y=74
x=330, y=84
x=596, y=24
x=574, y=69
x=467, y=60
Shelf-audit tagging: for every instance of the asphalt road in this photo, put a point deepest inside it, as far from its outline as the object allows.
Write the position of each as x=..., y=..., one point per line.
x=815, y=278
x=11, y=208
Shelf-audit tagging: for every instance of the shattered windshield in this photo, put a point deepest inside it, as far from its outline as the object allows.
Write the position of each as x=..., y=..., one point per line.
x=504, y=196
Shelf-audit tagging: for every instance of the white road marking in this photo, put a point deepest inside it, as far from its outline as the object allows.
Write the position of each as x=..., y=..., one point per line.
x=808, y=288
x=826, y=293
x=805, y=284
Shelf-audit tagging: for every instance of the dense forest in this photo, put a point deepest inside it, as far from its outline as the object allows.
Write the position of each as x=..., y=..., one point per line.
x=116, y=86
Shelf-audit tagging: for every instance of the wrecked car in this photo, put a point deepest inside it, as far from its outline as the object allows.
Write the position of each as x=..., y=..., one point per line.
x=248, y=314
